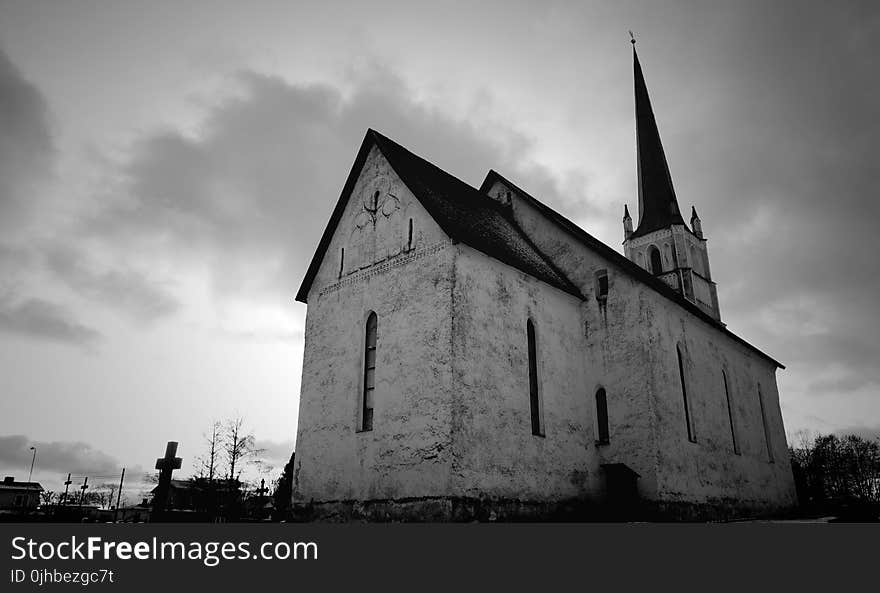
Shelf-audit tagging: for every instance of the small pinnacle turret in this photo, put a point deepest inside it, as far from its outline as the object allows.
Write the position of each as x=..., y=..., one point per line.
x=627, y=223
x=696, y=225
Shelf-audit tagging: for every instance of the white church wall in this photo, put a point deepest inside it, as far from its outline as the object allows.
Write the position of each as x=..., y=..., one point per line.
x=406, y=453
x=495, y=452
x=635, y=346
x=709, y=470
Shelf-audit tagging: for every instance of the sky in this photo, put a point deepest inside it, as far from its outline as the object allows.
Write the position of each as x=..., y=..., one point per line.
x=167, y=168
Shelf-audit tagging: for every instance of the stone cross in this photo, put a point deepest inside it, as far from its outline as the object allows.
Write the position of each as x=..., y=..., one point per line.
x=84, y=487
x=165, y=465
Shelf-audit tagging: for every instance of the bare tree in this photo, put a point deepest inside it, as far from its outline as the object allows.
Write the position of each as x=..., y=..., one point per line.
x=47, y=497
x=239, y=447
x=101, y=495
x=209, y=464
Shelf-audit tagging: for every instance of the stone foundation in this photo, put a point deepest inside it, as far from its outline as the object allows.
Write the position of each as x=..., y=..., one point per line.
x=468, y=509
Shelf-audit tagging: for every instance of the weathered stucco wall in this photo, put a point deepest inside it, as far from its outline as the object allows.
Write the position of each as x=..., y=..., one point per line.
x=631, y=348
x=495, y=453
x=406, y=453
x=709, y=469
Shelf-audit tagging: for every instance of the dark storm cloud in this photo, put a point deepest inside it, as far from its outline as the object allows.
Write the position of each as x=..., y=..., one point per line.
x=39, y=318
x=78, y=458
x=26, y=148
x=251, y=193
x=127, y=290
x=777, y=149
x=26, y=170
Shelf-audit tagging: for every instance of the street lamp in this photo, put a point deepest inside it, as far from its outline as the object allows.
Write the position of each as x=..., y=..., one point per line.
x=34, y=458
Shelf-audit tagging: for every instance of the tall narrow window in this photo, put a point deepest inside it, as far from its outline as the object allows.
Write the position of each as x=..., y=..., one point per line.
x=369, y=373
x=687, y=411
x=730, y=414
x=409, y=237
x=341, y=261
x=766, y=426
x=537, y=425
x=656, y=261
x=602, y=417
x=601, y=285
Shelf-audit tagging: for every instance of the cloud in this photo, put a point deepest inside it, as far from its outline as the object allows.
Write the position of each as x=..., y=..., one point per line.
x=78, y=458
x=126, y=289
x=275, y=453
x=265, y=335
x=250, y=193
x=26, y=147
x=27, y=158
x=777, y=152
x=39, y=318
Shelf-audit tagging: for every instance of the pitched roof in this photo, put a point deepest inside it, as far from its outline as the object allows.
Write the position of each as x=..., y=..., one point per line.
x=627, y=266
x=658, y=207
x=463, y=212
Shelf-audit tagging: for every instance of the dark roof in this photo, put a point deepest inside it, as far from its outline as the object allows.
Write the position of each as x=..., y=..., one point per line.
x=618, y=259
x=463, y=212
x=472, y=217
x=658, y=207
x=13, y=485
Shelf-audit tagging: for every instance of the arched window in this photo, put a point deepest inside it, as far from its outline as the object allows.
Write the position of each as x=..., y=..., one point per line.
x=534, y=402
x=766, y=425
x=656, y=260
x=369, y=373
x=687, y=411
x=602, y=417
x=730, y=414
x=409, y=241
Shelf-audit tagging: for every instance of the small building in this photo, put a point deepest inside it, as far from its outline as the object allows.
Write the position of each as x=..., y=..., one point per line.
x=19, y=495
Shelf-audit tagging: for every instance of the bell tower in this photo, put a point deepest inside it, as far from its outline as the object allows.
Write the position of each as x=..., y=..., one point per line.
x=662, y=243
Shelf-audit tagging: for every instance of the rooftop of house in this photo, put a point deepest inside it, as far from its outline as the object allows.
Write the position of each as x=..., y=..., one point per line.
x=9, y=483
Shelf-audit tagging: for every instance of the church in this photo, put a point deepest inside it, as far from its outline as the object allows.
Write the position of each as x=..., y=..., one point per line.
x=470, y=353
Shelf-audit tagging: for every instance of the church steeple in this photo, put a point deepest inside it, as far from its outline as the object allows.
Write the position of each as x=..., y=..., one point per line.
x=658, y=207
x=662, y=243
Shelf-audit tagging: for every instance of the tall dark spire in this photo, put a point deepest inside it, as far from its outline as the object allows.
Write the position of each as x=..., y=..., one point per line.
x=658, y=207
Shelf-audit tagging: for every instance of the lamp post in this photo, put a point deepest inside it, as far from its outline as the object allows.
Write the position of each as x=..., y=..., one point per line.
x=31, y=474
x=34, y=458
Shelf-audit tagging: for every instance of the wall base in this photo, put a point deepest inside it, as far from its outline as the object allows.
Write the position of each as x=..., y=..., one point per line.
x=468, y=509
